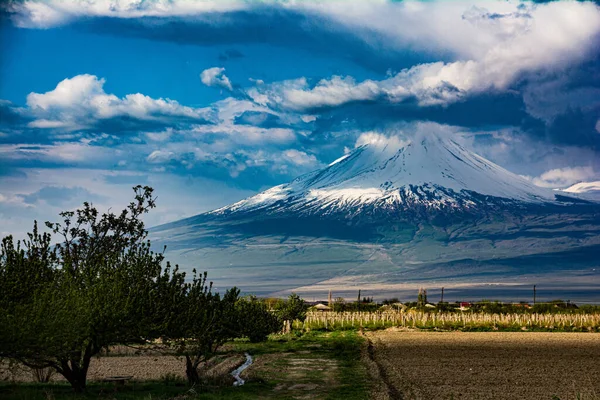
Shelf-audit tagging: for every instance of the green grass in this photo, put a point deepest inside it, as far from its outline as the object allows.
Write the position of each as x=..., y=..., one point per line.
x=342, y=347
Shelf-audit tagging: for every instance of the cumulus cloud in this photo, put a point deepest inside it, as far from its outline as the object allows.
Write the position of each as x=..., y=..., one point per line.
x=494, y=46
x=301, y=158
x=297, y=95
x=160, y=157
x=565, y=177
x=216, y=77
x=80, y=102
x=380, y=140
x=485, y=46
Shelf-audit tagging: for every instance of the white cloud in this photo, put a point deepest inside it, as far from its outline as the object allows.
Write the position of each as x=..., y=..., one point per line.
x=66, y=153
x=486, y=45
x=216, y=77
x=300, y=158
x=564, y=177
x=493, y=45
x=229, y=109
x=584, y=187
x=468, y=29
x=379, y=140
x=330, y=92
x=160, y=157
x=81, y=101
x=160, y=136
x=248, y=134
x=52, y=124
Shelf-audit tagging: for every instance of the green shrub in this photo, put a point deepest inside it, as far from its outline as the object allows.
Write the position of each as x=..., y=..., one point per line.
x=255, y=321
x=292, y=309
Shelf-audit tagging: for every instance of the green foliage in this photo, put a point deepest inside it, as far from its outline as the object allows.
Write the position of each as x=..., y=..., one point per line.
x=100, y=285
x=292, y=309
x=199, y=322
x=339, y=304
x=255, y=320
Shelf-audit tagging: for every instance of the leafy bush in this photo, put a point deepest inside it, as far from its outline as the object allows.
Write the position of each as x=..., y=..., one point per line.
x=255, y=321
x=292, y=309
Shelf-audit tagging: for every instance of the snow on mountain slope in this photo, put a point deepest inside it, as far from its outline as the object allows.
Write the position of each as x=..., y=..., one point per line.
x=589, y=190
x=432, y=172
x=584, y=187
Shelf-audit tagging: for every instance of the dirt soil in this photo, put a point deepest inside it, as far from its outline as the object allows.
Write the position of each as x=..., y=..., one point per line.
x=141, y=368
x=487, y=365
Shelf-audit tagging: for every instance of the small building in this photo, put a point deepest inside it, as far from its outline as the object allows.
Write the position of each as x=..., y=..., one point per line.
x=321, y=307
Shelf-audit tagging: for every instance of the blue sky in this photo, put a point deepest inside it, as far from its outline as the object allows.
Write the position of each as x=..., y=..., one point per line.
x=212, y=101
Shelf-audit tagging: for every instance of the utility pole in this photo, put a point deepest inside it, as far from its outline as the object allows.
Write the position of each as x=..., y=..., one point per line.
x=358, y=301
x=442, y=300
x=534, y=295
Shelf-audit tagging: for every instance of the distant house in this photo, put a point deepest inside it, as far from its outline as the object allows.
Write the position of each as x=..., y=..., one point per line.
x=464, y=305
x=321, y=307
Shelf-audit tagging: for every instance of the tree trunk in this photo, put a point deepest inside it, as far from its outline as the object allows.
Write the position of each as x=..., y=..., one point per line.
x=76, y=373
x=191, y=371
x=78, y=381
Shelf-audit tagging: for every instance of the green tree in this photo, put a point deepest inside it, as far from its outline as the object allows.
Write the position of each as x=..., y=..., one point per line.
x=291, y=309
x=202, y=322
x=100, y=285
x=255, y=321
x=339, y=305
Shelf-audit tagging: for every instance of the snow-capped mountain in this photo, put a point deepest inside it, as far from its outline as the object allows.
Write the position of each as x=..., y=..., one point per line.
x=432, y=173
x=393, y=214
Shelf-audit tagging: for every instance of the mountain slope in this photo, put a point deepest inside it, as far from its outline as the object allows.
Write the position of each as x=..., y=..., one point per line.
x=433, y=173
x=390, y=215
x=587, y=190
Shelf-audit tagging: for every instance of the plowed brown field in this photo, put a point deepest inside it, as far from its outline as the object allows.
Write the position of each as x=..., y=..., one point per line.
x=488, y=365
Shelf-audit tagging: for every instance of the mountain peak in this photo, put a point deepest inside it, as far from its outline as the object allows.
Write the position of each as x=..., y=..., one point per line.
x=432, y=172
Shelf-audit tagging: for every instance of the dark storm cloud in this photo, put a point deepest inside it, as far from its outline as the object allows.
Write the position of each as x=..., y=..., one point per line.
x=276, y=26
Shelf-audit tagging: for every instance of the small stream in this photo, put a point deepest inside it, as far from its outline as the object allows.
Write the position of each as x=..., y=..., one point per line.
x=236, y=373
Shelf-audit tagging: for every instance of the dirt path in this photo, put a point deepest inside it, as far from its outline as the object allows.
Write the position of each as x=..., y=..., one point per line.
x=487, y=365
